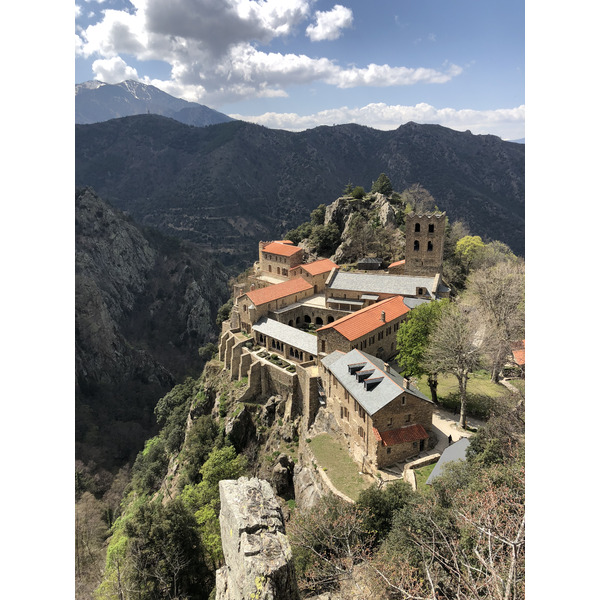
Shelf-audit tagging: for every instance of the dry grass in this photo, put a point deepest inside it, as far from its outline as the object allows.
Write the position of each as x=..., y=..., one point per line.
x=333, y=457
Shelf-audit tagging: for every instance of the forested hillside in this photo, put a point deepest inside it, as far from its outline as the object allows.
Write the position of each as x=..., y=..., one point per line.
x=227, y=186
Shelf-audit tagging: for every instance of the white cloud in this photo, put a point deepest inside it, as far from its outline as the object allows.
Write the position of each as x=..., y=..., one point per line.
x=213, y=48
x=77, y=11
x=507, y=123
x=329, y=24
x=113, y=70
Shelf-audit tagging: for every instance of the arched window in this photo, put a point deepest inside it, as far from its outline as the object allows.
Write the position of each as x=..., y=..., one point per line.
x=330, y=319
x=431, y=227
x=416, y=245
x=306, y=319
x=319, y=321
x=429, y=246
x=417, y=227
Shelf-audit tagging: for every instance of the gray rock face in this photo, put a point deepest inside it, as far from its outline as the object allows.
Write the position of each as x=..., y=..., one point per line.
x=257, y=552
x=283, y=477
x=240, y=429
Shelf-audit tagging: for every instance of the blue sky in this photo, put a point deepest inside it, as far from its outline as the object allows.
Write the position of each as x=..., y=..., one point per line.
x=295, y=64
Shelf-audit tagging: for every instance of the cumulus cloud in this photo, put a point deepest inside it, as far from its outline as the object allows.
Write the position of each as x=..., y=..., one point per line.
x=213, y=48
x=113, y=70
x=507, y=123
x=329, y=24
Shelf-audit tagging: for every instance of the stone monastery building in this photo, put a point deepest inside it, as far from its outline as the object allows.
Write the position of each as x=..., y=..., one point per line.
x=322, y=337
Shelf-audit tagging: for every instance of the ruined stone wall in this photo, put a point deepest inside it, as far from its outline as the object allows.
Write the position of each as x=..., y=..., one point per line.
x=258, y=557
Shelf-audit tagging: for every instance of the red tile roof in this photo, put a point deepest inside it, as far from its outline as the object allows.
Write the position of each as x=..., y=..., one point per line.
x=318, y=266
x=368, y=319
x=281, y=249
x=518, y=352
x=278, y=291
x=412, y=433
x=397, y=263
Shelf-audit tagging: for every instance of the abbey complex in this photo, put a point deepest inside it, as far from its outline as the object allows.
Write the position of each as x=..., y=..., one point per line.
x=324, y=338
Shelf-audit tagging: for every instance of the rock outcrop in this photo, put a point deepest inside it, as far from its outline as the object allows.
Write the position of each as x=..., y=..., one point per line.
x=257, y=552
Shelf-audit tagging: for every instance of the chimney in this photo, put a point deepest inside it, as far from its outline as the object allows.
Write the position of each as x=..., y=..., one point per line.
x=383, y=315
x=386, y=367
x=406, y=383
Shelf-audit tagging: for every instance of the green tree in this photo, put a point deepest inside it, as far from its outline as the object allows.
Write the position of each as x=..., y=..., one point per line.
x=469, y=249
x=325, y=239
x=203, y=498
x=347, y=191
x=455, y=347
x=224, y=312
x=383, y=185
x=165, y=551
x=413, y=340
x=317, y=216
x=358, y=192
x=381, y=503
x=150, y=466
x=300, y=233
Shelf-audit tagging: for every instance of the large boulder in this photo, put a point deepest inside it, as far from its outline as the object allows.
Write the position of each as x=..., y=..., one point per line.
x=258, y=557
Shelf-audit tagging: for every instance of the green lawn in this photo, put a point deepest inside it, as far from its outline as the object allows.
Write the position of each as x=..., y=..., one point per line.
x=421, y=476
x=479, y=384
x=341, y=469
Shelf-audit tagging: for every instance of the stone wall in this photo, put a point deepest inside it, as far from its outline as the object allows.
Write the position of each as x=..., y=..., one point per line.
x=258, y=557
x=424, y=261
x=383, y=337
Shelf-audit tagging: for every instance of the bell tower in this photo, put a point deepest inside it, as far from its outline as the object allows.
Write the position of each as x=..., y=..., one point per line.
x=425, y=243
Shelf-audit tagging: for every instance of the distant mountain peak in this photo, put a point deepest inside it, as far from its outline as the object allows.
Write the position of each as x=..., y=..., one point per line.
x=93, y=84
x=96, y=101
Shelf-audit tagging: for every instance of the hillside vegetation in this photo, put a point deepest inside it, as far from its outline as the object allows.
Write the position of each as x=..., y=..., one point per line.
x=229, y=185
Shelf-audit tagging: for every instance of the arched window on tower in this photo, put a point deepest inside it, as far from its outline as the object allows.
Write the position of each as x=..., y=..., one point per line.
x=416, y=245
x=417, y=227
x=431, y=227
x=429, y=246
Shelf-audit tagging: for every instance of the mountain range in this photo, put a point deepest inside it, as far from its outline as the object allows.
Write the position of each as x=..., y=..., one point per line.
x=96, y=101
x=227, y=186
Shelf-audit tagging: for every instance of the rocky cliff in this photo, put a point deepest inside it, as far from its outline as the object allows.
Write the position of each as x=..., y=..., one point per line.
x=144, y=304
x=257, y=553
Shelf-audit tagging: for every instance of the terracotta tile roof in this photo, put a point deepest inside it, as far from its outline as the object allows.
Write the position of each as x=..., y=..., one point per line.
x=412, y=433
x=281, y=249
x=368, y=319
x=279, y=290
x=518, y=352
x=397, y=263
x=318, y=266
